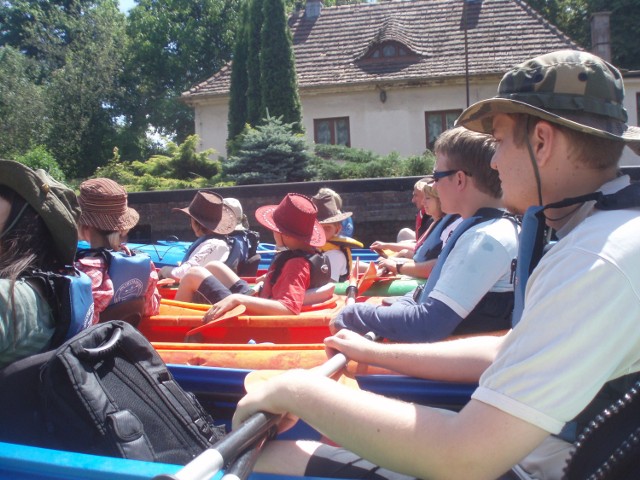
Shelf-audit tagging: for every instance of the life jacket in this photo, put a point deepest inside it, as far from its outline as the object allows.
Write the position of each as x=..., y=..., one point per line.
x=532, y=248
x=68, y=293
x=129, y=273
x=344, y=244
x=494, y=311
x=320, y=268
x=432, y=246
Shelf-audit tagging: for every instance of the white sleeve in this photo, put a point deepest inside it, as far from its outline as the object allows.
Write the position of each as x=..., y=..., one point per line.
x=207, y=251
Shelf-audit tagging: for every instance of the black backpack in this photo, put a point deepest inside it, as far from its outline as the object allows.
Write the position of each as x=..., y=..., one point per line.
x=107, y=392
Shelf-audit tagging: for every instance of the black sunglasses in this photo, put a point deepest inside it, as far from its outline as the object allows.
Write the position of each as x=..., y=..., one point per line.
x=444, y=173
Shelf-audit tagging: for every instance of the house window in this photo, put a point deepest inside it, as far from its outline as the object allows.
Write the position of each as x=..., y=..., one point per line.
x=332, y=131
x=438, y=122
x=388, y=50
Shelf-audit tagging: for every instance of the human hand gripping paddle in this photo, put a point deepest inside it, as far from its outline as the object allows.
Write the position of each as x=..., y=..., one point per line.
x=240, y=448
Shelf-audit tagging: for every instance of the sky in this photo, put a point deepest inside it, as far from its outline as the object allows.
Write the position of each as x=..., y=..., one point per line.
x=125, y=5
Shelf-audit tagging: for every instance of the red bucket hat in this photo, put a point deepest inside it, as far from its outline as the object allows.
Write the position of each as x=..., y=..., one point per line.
x=295, y=216
x=104, y=206
x=208, y=209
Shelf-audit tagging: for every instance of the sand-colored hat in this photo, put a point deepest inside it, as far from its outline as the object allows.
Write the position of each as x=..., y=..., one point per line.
x=295, y=216
x=56, y=203
x=568, y=87
x=235, y=205
x=208, y=209
x=104, y=206
x=328, y=211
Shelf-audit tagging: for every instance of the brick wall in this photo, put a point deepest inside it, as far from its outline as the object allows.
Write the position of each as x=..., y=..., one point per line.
x=380, y=207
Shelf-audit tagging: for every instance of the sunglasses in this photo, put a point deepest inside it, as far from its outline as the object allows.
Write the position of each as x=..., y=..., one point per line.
x=444, y=173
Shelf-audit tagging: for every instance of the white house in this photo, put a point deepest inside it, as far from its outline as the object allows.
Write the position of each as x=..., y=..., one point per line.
x=390, y=76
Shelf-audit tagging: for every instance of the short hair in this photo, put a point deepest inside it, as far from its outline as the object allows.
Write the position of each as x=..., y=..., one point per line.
x=429, y=189
x=471, y=152
x=591, y=150
x=420, y=184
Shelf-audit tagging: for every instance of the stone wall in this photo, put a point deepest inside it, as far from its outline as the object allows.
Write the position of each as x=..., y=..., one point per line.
x=380, y=207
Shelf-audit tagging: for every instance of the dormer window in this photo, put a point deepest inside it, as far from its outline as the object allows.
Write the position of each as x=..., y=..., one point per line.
x=389, y=50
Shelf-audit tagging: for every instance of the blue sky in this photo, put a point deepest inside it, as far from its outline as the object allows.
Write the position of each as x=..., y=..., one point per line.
x=125, y=5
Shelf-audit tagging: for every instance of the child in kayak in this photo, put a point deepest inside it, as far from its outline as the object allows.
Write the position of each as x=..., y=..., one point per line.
x=211, y=221
x=297, y=266
x=337, y=248
x=117, y=276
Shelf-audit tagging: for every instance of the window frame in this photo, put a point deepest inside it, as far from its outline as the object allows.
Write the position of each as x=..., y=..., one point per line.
x=333, y=121
x=443, y=122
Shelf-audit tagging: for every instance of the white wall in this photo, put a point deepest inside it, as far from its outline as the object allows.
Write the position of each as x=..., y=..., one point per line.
x=395, y=125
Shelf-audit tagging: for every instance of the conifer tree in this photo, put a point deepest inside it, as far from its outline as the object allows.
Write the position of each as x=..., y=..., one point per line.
x=255, y=112
x=278, y=80
x=238, y=90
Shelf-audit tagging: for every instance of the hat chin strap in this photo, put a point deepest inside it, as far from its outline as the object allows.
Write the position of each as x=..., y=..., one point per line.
x=534, y=165
x=15, y=220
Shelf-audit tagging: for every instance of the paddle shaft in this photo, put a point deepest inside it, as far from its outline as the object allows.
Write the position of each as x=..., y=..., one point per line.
x=256, y=427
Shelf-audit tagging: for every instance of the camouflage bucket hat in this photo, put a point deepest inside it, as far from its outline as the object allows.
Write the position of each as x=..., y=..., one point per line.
x=571, y=88
x=56, y=203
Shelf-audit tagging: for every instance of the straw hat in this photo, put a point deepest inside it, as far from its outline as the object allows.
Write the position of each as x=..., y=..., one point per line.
x=104, y=206
x=208, y=209
x=328, y=211
x=295, y=216
x=568, y=87
x=56, y=203
x=235, y=205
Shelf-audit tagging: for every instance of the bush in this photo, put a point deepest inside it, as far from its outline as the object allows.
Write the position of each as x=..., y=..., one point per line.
x=39, y=157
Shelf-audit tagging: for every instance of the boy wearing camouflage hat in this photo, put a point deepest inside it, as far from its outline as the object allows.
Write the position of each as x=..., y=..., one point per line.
x=560, y=127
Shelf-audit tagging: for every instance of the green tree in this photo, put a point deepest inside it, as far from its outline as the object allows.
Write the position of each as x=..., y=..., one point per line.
x=255, y=110
x=278, y=79
x=22, y=102
x=174, y=44
x=82, y=93
x=238, y=90
x=270, y=153
x=39, y=157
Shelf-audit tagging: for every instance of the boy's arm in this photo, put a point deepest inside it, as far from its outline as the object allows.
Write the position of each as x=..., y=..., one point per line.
x=461, y=360
x=479, y=442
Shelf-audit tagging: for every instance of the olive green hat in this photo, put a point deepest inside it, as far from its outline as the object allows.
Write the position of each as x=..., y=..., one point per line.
x=568, y=87
x=54, y=202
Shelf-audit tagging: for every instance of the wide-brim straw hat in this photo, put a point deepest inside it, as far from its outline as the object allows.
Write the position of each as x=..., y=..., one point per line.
x=235, y=205
x=104, y=206
x=208, y=209
x=295, y=216
x=56, y=203
x=328, y=211
x=571, y=88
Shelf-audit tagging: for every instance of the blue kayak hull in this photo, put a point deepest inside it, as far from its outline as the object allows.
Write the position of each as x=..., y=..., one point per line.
x=218, y=389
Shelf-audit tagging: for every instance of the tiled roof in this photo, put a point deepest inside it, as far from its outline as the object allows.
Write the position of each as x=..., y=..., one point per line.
x=329, y=49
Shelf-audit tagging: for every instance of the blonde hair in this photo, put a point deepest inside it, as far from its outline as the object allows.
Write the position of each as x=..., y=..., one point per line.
x=423, y=182
x=430, y=190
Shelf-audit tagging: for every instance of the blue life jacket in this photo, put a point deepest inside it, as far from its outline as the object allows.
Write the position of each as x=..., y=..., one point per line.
x=129, y=273
x=432, y=245
x=68, y=293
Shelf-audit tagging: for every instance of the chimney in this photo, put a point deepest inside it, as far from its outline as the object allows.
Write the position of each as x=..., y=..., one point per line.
x=313, y=8
x=601, y=35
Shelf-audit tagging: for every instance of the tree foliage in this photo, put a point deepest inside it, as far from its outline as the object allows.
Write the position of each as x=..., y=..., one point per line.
x=270, y=153
x=255, y=110
x=239, y=80
x=278, y=79
x=174, y=44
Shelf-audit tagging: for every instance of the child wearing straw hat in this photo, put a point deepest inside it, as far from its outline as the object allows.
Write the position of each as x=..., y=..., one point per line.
x=297, y=267
x=116, y=275
x=337, y=249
